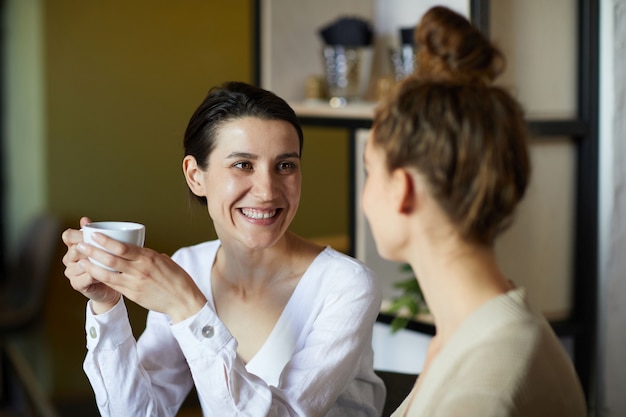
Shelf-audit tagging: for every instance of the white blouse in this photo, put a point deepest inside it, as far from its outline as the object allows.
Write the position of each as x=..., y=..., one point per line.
x=317, y=361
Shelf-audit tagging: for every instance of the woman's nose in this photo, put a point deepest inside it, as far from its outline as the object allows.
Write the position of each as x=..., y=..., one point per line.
x=265, y=186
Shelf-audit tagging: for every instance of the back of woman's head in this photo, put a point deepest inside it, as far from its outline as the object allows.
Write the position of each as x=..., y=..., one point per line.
x=230, y=101
x=449, y=47
x=464, y=136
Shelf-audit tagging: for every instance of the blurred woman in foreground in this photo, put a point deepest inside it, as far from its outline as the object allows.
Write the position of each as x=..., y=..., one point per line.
x=447, y=164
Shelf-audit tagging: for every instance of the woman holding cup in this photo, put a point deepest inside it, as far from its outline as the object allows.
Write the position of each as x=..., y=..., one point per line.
x=261, y=321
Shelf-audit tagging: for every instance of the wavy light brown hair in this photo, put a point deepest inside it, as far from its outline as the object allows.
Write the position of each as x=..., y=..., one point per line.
x=449, y=47
x=467, y=138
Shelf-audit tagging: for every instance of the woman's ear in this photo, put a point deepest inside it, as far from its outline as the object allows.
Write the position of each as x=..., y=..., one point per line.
x=193, y=176
x=405, y=191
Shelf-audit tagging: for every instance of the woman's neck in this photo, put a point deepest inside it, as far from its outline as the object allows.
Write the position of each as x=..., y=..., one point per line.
x=252, y=271
x=457, y=278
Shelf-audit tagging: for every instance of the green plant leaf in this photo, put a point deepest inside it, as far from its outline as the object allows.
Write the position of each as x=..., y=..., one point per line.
x=398, y=323
x=409, y=285
x=407, y=301
x=411, y=299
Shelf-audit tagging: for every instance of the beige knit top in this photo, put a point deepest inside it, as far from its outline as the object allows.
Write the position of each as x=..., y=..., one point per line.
x=504, y=360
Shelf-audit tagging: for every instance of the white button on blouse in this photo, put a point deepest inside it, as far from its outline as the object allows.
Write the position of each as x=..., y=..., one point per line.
x=208, y=331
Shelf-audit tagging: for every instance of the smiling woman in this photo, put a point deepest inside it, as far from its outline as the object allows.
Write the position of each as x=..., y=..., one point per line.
x=260, y=321
x=251, y=178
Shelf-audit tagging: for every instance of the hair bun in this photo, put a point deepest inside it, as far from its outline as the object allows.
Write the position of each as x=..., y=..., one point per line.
x=451, y=49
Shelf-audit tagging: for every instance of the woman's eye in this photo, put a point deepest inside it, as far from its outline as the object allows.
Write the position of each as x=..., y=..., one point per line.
x=286, y=165
x=243, y=165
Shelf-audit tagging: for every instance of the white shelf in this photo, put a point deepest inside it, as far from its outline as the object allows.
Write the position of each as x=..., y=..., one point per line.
x=363, y=110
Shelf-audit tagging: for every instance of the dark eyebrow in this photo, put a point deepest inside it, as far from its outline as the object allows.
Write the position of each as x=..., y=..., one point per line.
x=246, y=155
x=289, y=155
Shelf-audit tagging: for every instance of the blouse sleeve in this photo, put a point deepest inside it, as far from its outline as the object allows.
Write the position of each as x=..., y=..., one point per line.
x=150, y=380
x=339, y=322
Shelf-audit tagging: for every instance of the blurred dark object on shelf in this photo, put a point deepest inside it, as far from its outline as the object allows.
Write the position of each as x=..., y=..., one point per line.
x=349, y=32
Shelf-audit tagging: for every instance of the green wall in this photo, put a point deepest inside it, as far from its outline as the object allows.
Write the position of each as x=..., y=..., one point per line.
x=123, y=78
x=121, y=81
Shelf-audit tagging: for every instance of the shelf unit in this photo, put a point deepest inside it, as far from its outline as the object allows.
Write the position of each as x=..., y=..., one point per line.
x=580, y=326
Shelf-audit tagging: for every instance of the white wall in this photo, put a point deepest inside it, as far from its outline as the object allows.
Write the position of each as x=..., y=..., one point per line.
x=611, y=398
x=24, y=159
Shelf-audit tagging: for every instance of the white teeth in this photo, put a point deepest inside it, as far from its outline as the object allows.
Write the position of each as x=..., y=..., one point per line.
x=258, y=214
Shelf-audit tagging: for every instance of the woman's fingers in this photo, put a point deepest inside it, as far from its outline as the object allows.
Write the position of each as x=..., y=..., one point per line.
x=73, y=236
x=112, y=253
x=114, y=280
x=142, y=275
x=146, y=277
x=72, y=256
x=83, y=279
x=83, y=282
x=115, y=247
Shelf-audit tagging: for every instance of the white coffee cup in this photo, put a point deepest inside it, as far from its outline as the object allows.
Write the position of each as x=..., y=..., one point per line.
x=127, y=232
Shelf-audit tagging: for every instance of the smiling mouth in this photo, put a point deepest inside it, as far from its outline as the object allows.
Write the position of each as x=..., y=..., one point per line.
x=259, y=214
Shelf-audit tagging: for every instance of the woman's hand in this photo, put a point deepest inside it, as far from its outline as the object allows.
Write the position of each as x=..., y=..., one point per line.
x=103, y=297
x=148, y=278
